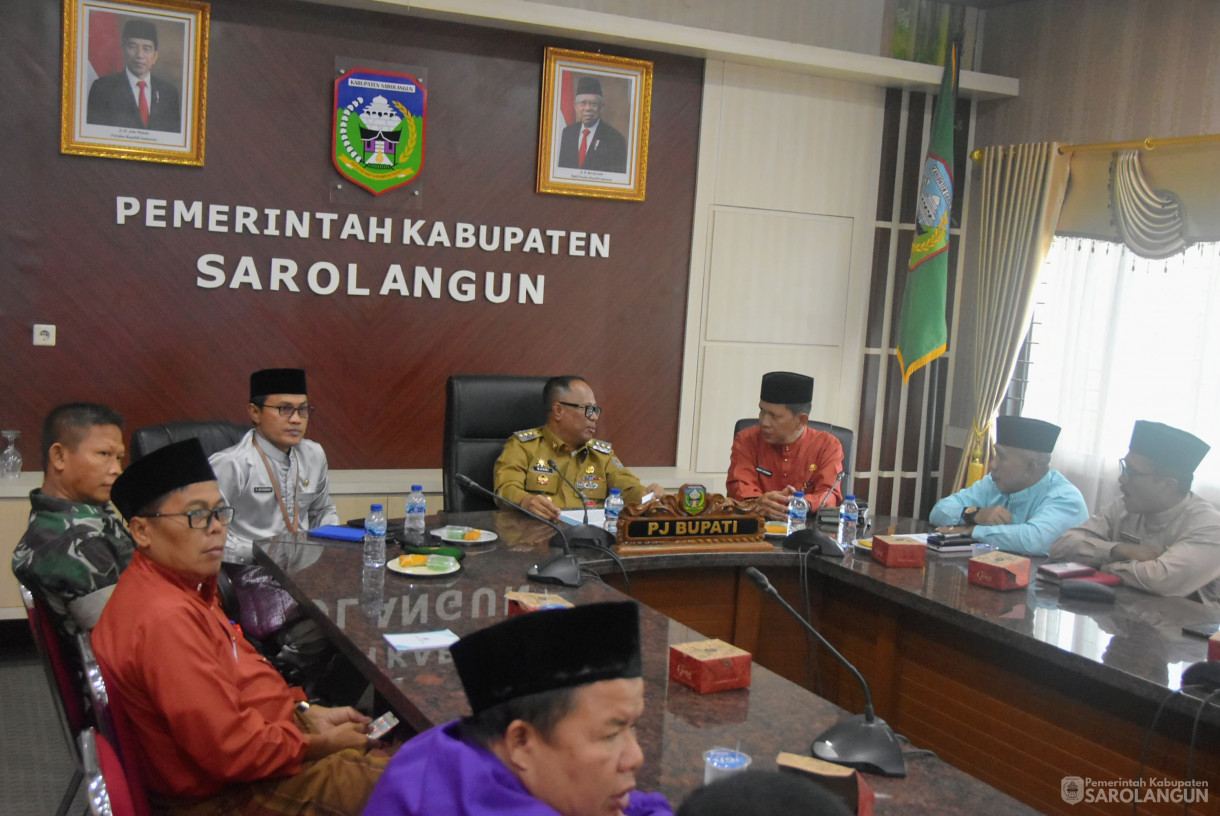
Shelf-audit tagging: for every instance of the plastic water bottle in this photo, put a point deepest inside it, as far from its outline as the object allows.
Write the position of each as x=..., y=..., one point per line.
x=417, y=508
x=849, y=519
x=798, y=512
x=614, y=506
x=374, y=537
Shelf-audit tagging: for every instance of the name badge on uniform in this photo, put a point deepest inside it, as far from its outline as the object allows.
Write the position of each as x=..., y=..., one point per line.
x=264, y=490
x=763, y=471
x=540, y=466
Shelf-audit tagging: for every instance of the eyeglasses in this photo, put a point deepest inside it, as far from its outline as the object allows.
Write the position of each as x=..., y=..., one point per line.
x=199, y=519
x=1128, y=473
x=286, y=410
x=591, y=411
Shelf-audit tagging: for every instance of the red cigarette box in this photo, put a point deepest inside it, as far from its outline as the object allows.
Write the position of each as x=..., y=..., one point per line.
x=896, y=551
x=709, y=665
x=999, y=570
x=521, y=602
x=846, y=784
x=1213, y=647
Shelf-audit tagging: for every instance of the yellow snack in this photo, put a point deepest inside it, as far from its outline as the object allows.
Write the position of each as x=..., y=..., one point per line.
x=472, y=535
x=412, y=560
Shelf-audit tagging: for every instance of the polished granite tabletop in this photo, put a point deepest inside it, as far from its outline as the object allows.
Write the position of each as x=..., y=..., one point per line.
x=1134, y=644
x=358, y=606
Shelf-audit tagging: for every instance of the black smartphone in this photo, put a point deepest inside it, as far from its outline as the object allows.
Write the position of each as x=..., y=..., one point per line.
x=1201, y=630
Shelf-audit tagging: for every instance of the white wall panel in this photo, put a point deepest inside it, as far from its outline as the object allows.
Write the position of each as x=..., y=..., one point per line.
x=797, y=143
x=732, y=374
x=778, y=277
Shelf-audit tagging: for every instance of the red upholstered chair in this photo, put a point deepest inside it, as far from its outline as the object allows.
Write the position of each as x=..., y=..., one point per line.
x=63, y=677
x=107, y=785
x=114, y=726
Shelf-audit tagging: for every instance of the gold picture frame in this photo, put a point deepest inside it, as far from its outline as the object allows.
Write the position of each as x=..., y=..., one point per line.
x=126, y=96
x=614, y=159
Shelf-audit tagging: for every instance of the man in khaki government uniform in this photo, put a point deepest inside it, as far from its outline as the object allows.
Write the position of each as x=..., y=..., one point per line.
x=1158, y=536
x=522, y=474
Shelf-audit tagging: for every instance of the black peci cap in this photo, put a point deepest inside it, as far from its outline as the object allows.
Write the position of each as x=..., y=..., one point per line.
x=1025, y=433
x=159, y=473
x=548, y=649
x=277, y=381
x=588, y=85
x=1169, y=447
x=140, y=30
x=786, y=388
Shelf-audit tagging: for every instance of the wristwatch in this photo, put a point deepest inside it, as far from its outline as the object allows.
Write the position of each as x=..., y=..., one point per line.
x=968, y=514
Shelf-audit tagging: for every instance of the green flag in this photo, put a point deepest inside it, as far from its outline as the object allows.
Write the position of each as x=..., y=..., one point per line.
x=923, y=333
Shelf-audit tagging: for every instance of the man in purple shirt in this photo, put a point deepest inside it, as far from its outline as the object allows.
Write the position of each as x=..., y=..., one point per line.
x=556, y=695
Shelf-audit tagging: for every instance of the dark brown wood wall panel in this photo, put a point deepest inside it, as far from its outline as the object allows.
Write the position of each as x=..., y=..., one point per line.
x=135, y=330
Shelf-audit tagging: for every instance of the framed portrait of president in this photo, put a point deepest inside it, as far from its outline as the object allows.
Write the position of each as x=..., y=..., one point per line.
x=593, y=129
x=135, y=79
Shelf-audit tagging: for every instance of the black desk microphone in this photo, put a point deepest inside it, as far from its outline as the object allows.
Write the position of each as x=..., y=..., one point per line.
x=585, y=533
x=861, y=741
x=562, y=569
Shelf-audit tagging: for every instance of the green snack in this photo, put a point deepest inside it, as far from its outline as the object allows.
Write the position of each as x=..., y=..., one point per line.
x=457, y=553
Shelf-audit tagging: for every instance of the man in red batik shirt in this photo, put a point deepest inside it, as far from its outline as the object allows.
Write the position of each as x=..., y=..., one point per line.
x=781, y=455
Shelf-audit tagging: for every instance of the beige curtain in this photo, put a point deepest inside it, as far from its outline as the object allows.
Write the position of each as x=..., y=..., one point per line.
x=1150, y=222
x=1023, y=190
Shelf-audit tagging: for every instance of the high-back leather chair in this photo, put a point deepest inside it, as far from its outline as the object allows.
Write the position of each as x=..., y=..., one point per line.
x=846, y=437
x=214, y=435
x=481, y=412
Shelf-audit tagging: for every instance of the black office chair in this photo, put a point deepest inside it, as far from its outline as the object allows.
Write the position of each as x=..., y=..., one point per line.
x=481, y=412
x=846, y=437
x=214, y=435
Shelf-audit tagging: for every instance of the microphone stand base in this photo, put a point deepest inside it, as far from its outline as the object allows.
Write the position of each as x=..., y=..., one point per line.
x=815, y=540
x=562, y=569
x=586, y=535
x=866, y=746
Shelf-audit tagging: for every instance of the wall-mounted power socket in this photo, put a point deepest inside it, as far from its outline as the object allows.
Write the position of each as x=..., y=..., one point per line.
x=44, y=334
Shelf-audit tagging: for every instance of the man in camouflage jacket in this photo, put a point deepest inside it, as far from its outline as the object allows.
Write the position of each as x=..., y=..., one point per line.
x=75, y=546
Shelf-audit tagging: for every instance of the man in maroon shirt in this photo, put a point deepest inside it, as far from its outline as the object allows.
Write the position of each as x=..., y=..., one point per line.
x=781, y=455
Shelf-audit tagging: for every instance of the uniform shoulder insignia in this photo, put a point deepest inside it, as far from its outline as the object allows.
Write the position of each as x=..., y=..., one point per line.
x=526, y=436
x=600, y=446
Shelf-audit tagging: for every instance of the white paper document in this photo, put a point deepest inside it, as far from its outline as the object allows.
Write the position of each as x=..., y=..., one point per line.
x=418, y=641
x=597, y=516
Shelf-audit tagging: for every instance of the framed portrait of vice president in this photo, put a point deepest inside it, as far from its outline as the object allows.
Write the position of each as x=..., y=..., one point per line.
x=135, y=79
x=593, y=130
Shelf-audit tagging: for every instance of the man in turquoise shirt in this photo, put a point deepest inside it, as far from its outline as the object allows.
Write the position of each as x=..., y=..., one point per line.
x=1022, y=506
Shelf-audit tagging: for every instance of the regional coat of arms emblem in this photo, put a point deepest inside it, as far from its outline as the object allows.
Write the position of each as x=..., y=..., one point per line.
x=694, y=499
x=379, y=128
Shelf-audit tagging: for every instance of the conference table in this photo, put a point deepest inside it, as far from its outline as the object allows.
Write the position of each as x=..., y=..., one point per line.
x=358, y=606
x=1014, y=691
